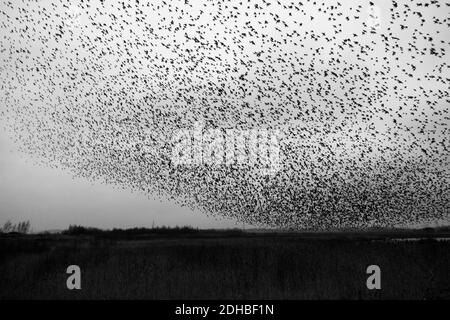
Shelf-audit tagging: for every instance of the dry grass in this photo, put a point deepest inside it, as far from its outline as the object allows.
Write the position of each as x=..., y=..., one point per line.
x=223, y=268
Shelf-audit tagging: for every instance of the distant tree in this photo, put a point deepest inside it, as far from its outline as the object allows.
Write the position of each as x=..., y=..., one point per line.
x=21, y=227
x=80, y=230
x=7, y=227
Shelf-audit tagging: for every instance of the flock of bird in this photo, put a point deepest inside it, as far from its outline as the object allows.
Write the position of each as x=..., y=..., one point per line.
x=358, y=90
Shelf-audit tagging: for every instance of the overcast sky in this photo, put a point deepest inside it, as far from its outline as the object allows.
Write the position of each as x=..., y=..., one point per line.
x=52, y=199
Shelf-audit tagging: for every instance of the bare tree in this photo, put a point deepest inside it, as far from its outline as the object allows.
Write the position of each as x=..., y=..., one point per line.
x=21, y=227
x=7, y=227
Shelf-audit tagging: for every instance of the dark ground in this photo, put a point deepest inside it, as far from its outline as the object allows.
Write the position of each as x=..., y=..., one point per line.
x=224, y=265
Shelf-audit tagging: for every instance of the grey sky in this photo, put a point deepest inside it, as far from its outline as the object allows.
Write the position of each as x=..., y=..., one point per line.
x=51, y=198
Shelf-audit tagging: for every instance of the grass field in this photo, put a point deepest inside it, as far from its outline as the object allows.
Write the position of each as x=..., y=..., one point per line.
x=216, y=267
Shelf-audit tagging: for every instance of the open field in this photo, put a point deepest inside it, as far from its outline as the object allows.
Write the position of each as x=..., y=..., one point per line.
x=223, y=266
